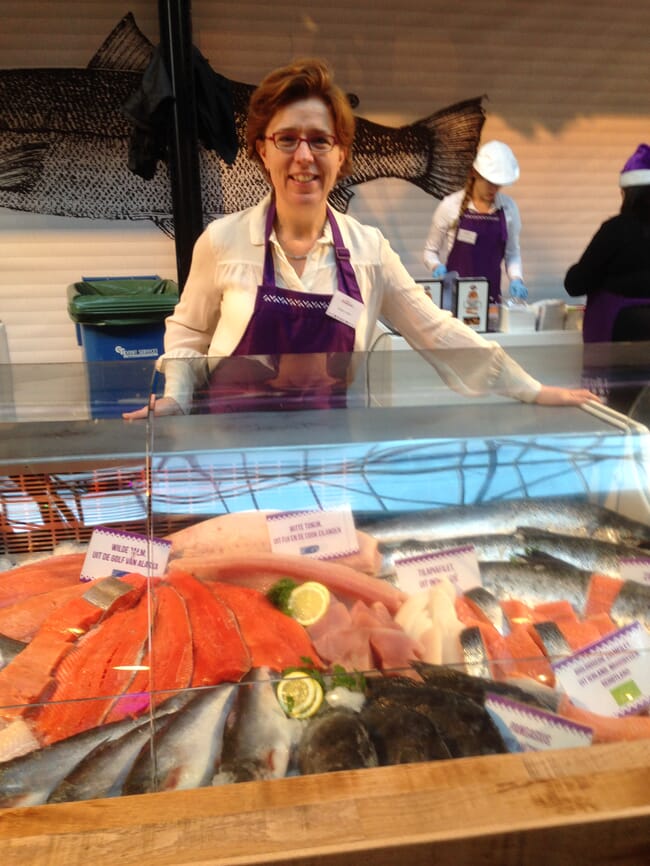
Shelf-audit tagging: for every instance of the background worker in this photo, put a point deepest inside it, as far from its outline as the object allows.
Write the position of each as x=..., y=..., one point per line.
x=613, y=273
x=477, y=228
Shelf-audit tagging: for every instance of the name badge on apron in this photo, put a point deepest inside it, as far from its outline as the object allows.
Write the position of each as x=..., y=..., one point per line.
x=345, y=309
x=466, y=236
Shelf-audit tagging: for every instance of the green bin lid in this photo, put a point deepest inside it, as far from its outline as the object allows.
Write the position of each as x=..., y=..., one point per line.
x=121, y=301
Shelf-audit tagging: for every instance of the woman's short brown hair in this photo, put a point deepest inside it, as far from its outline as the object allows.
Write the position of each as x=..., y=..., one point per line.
x=301, y=79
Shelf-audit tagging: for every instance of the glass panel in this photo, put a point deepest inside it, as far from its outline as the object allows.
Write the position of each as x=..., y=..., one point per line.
x=137, y=682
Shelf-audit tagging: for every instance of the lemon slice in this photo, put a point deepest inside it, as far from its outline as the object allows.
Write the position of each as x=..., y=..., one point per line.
x=299, y=694
x=308, y=602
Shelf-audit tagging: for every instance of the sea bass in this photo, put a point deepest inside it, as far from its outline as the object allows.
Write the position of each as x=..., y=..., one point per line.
x=261, y=740
x=174, y=762
x=64, y=144
x=30, y=779
x=567, y=515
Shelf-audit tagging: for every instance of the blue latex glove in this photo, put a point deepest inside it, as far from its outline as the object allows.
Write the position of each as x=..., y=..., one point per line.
x=438, y=272
x=518, y=290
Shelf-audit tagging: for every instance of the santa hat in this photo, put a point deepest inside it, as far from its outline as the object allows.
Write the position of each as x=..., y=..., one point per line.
x=636, y=171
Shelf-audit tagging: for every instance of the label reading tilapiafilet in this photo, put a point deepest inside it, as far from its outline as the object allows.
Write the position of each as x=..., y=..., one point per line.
x=459, y=565
x=318, y=534
x=112, y=553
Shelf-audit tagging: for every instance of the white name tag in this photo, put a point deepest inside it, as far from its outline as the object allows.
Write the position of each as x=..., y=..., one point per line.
x=345, y=309
x=466, y=236
x=112, y=553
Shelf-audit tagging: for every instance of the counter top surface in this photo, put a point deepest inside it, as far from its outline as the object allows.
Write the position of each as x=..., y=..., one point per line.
x=565, y=808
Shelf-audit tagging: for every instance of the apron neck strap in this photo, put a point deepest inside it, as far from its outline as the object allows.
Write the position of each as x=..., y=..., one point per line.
x=345, y=276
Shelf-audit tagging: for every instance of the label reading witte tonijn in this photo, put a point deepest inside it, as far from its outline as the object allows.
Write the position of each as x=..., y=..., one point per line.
x=611, y=676
x=459, y=565
x=112, y=553
x=318, y=534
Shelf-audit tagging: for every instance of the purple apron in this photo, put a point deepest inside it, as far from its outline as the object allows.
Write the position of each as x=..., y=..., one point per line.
x=483, y=258
x=309, y=351
x=601, y=313
x=617, y=384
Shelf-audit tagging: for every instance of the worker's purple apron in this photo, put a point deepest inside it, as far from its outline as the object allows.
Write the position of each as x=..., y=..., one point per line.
x=483, y=258
x=616, y=385
x=601, y=313
x=285, y=325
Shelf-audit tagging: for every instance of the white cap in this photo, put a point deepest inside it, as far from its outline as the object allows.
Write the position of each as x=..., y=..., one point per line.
x=496, y=163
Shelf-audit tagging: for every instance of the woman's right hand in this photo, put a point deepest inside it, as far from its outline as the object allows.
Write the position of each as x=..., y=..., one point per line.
x=162, y=406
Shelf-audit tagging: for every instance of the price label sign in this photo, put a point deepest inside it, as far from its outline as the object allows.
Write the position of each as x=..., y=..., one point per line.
x=459, y=565
x=611, y=676
x=318, y=534
x=112, y=553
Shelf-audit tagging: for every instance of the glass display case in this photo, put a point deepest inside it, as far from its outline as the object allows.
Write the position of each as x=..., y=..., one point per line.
x=169, y=667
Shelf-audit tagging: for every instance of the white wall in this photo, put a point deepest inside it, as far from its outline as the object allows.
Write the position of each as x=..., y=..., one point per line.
x=566, y=86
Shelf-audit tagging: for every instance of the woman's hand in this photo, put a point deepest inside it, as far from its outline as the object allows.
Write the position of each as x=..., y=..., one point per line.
x=551, y=395
x=162, y=406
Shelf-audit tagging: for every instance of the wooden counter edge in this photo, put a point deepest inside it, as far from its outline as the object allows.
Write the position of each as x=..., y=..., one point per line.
x=575, y=806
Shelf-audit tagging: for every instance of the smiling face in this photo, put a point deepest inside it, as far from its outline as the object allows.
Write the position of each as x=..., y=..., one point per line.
x=301, y=179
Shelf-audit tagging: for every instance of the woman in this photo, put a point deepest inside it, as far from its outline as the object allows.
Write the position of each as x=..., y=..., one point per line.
x=288, y=278
x=477, y=228
x=614, y=275
x=614, y=270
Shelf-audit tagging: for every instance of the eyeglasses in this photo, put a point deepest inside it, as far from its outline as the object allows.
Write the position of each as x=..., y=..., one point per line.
x=287, y=142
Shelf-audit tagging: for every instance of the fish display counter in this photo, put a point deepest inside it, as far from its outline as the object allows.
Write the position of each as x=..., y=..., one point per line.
x=402, y=632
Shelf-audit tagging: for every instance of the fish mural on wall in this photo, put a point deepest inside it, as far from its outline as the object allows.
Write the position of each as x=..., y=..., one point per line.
x=65, y=139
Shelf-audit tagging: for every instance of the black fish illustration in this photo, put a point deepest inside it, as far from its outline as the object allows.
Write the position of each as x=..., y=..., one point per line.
x=64, y=144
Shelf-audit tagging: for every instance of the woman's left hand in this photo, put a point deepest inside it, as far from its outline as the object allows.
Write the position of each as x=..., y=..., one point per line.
x=551, y=395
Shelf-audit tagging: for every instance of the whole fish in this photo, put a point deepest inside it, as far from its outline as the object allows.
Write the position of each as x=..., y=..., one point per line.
x=186, y=753
x=260, y=742
x=536, y=582
x=499, y=547
x=539, y=581
x=30, y=779
x=589, y=554
x=103, y=771
x=64, y=144
x=566, y=515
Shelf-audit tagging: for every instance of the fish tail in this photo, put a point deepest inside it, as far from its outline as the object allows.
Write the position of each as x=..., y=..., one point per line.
x=452, y=136
x=340, y=197
x=20, y=167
